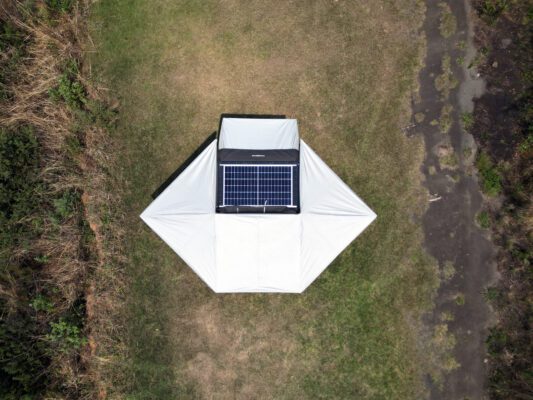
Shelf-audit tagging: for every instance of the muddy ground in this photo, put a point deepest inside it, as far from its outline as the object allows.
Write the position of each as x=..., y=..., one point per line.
x=465, y=255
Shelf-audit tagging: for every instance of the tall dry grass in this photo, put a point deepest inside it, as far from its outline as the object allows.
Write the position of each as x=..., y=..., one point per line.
x=92, y=274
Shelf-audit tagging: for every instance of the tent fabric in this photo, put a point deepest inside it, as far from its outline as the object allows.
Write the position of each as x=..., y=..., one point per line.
x=258, y=134
x=258, y=252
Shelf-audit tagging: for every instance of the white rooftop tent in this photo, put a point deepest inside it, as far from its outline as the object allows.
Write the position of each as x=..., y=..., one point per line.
x=258, y=251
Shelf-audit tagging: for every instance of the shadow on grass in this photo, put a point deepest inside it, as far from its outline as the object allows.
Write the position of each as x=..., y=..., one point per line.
x=184, y=165
x=204, y=145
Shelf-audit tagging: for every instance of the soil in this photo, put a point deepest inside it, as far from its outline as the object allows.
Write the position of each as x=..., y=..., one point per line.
x=451, y=235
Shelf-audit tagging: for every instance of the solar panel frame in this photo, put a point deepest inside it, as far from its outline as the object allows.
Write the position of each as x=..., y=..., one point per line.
x=258, y=185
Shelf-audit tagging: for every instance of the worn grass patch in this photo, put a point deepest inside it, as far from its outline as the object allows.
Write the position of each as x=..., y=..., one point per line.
x=446, y=81
x=175, y=67
x=448, y=22
x=445, y=119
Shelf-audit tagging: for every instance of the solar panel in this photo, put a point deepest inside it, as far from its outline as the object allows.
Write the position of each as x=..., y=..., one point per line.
x=258, y=185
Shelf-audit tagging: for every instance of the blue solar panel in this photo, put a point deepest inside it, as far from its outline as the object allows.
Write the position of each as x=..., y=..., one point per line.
x=258, y=185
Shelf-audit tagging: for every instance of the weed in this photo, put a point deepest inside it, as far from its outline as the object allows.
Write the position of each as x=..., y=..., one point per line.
x=66, y=335
x=447, y=317
x=480, y=58
x=448, y=270
x=468, y=120
x=65, y=205
x=446, y=81
x=489, y=174
x=496, y=340
x=73, y=145
x=448, y=22
x=41, y=303
x=483, y=219
x=527, y=144
x=460, y=299
x=419, y=117
x=490, y=10
x=69, y=90
x=492, y=294
x=44, y=259
x=445, y=120
x=62, y=6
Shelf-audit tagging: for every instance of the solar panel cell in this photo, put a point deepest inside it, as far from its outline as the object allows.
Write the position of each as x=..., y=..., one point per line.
x=258, y=185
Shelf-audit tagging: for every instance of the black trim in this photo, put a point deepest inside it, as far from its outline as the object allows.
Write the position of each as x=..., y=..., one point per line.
x=258, y=156
x=257, y=210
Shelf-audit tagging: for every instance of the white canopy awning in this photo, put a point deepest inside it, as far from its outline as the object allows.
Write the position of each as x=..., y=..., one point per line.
x=258, y=252
x=258, y=134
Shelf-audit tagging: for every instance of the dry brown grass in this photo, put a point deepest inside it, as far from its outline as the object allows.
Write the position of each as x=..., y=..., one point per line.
x=74, y=273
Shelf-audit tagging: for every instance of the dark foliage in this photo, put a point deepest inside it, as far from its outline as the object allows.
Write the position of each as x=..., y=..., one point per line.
x=504, y=131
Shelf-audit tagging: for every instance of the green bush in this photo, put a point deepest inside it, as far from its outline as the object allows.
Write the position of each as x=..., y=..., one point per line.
x=491, y=181
x=23, y=357
x=19, y=163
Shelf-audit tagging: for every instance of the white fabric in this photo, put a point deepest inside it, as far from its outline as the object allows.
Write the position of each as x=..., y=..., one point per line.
x=258, y=134
x=258, y=252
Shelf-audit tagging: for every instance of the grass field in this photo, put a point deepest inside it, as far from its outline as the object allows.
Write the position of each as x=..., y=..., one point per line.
x=346, y=71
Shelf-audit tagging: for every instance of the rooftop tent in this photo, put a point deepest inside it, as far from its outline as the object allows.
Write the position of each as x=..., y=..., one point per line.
x=258, y=210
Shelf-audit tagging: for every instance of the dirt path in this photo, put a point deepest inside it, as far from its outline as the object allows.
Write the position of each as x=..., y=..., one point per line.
x=464, y=254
